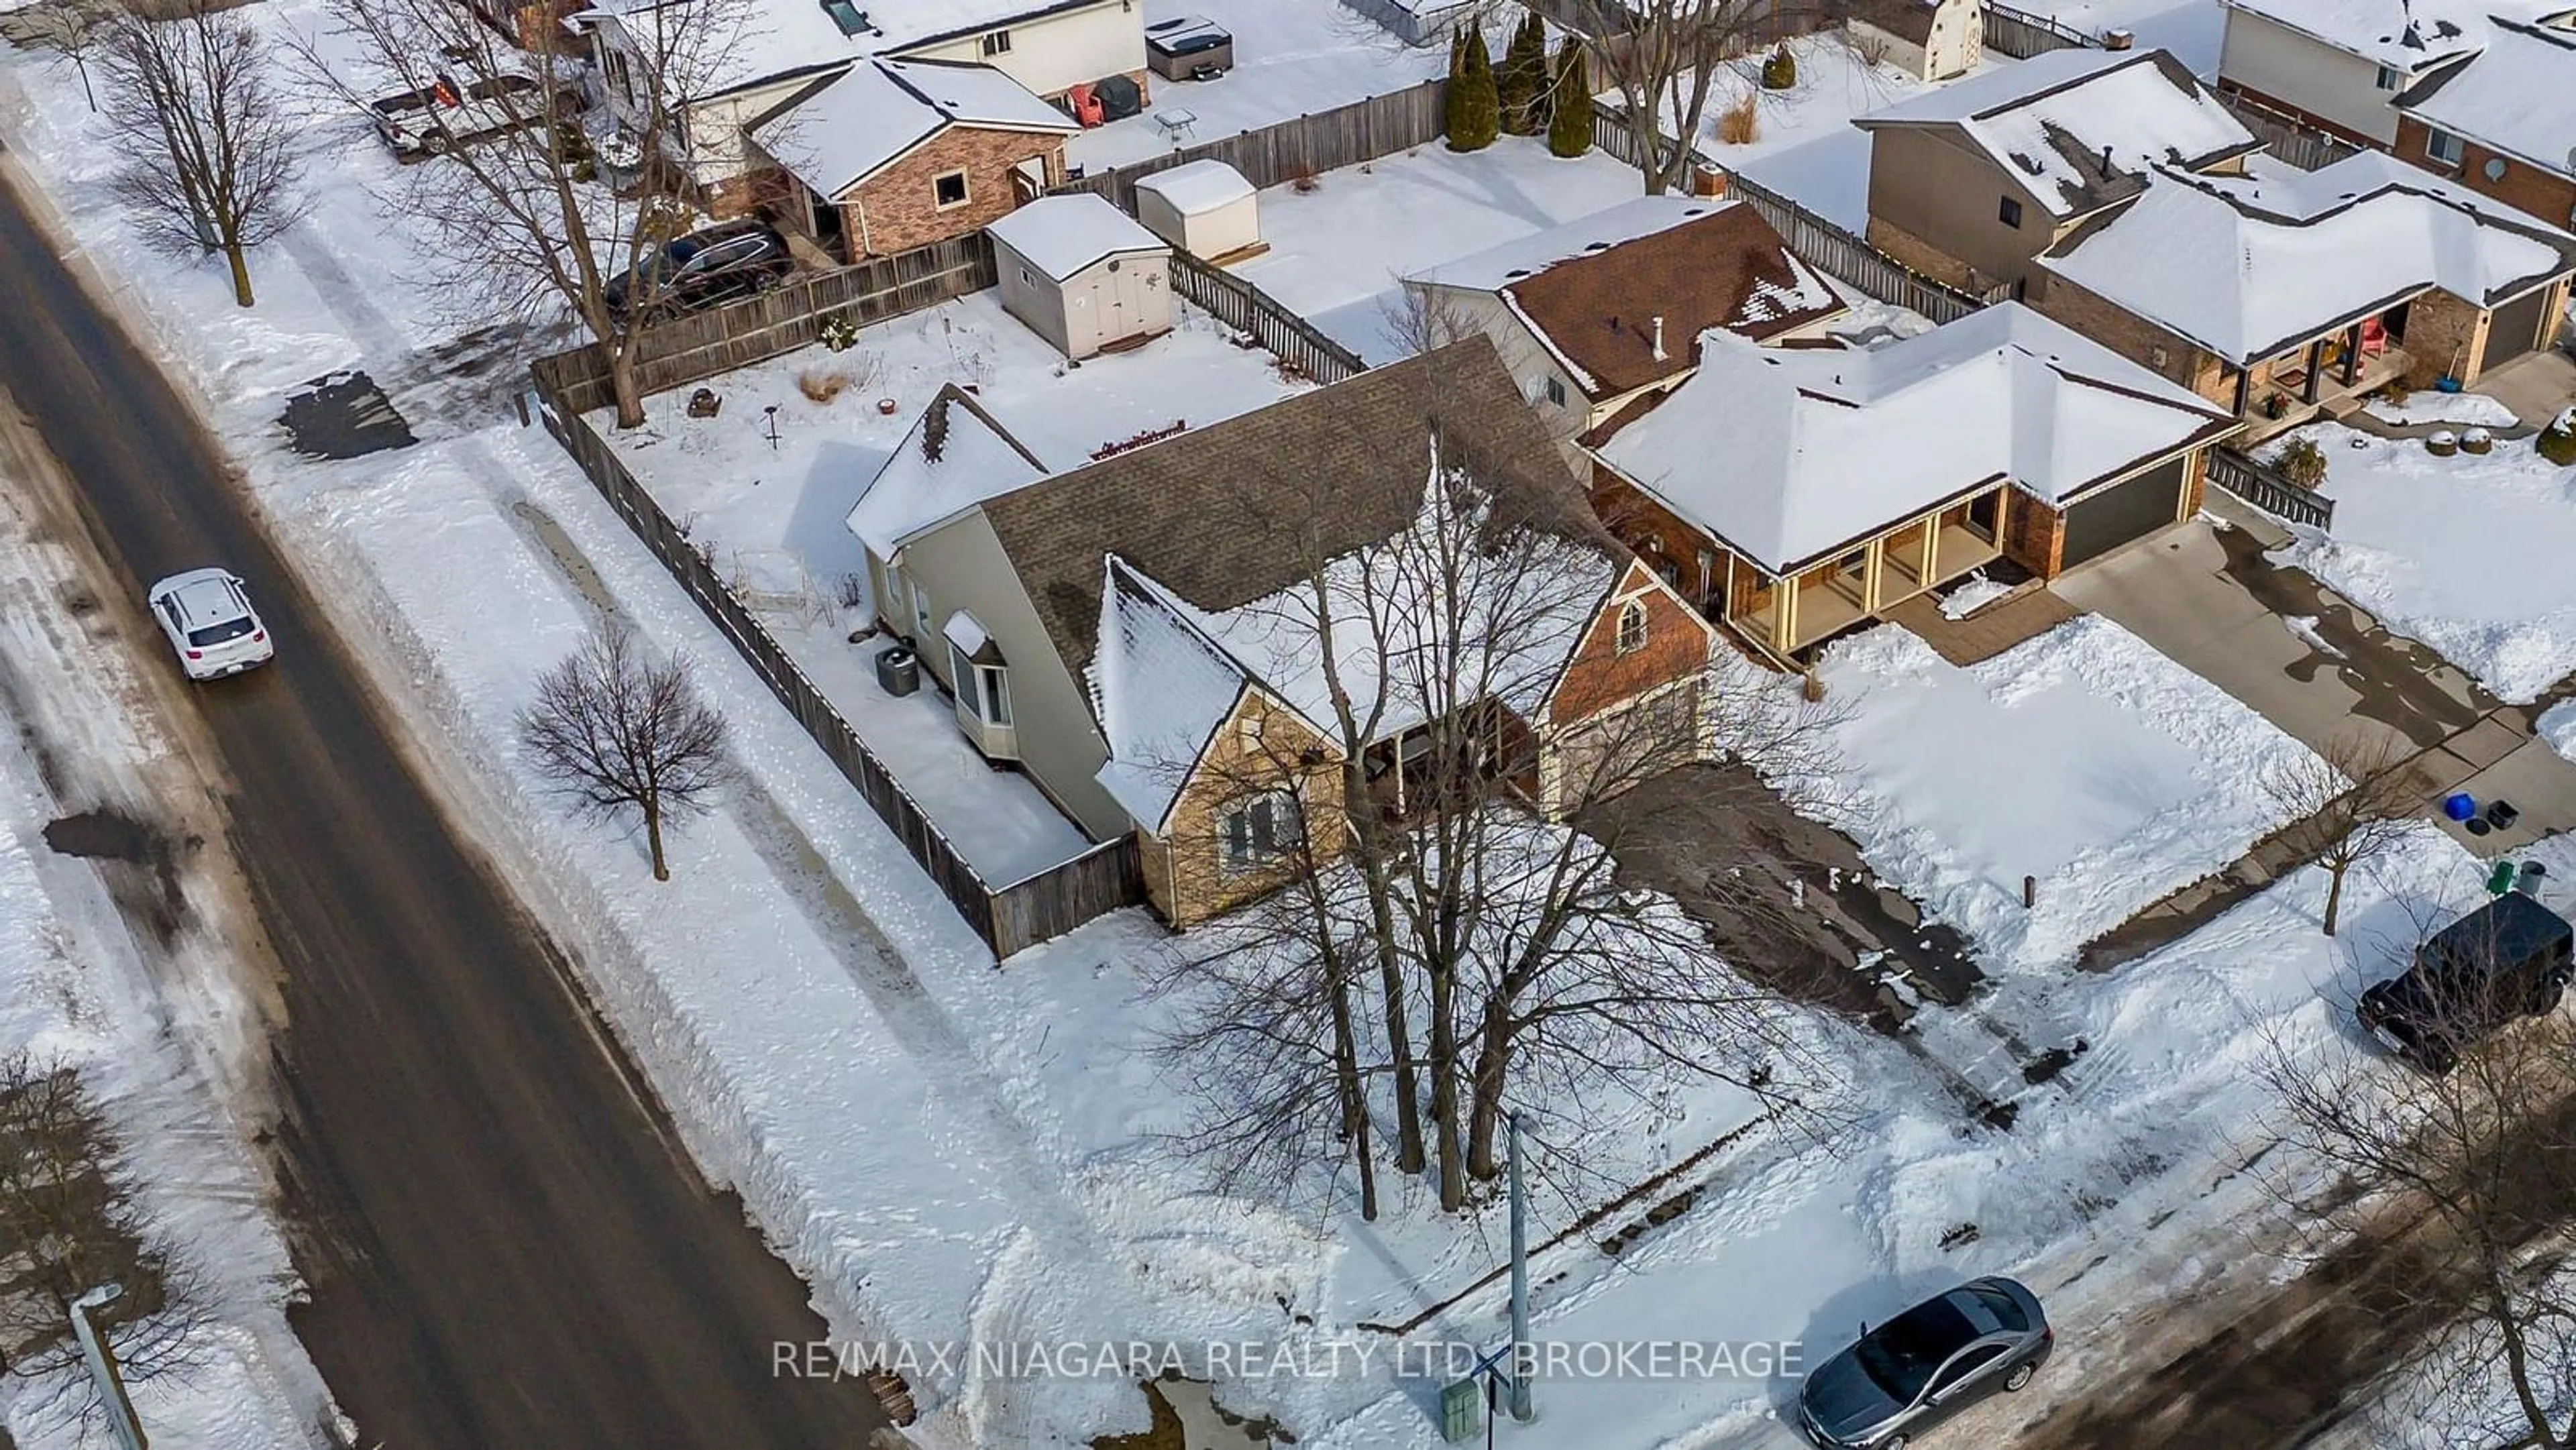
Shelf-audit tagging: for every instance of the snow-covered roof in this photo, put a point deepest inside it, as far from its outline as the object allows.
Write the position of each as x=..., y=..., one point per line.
x=1160, y=688
x=1789, y=454
x=1591, y=290
x=2403, y=35
x=2047, y=121
x=879, y=110
x=2248, y=266
x=1198, y=187
x=1061, y=235
x=2517, y=96
x=956, y=456
x=784, y=37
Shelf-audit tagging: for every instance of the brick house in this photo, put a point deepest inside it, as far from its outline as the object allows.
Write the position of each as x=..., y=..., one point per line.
x=1809, y=490
x=1969, y=182
x=786, y=47
x=2501, y=123
x=1590, y=314
x=2338, y=66
x=892, y=155
x=2274, y=296
x=1141, y=613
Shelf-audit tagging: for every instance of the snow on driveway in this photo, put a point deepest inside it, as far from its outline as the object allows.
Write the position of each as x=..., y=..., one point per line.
x=2467, y=554
x=2083, y=758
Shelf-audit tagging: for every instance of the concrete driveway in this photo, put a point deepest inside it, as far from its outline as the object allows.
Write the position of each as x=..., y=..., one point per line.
x=2321, y=669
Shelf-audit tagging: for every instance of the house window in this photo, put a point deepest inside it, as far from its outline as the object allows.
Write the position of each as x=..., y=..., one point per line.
x=1632, y=627
x=1556, y=392
x=2444, y=147
x=2008, y=211
x=920, y=610
x=986, y=689
x=997, y=42
x=2391, y=80
x=1260, y=830
x=1707, y=572
x=1249, y=732
x=950, y=189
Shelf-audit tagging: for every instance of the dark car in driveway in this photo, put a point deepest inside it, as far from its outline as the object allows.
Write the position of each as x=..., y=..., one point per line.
x=714, y=265
x=1925, y=1365
x=2509, y=958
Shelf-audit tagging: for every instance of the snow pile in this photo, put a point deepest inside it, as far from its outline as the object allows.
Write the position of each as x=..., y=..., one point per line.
x=2557, y=726
x=2466, y=553
x=2083, y=758
x=1974, y=593
x=2430, y=406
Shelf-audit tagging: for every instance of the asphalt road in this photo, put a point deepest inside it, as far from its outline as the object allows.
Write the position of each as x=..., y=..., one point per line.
x=503, y=1250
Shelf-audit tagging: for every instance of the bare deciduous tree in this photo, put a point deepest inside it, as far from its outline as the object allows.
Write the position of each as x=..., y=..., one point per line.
x=1439, y=948
x=1423, y=320
x=2345, y=805
x=542, y=213
x=207, y=151
x=617, y=730
x=2462, y=1181
x=1664, y=59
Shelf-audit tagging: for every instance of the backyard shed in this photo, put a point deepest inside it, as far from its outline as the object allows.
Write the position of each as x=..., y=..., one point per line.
x=1205, y=208
x=1082, y=274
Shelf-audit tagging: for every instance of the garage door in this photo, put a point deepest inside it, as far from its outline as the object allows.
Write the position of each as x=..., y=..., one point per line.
x=2515, y=330
x=2122, y=512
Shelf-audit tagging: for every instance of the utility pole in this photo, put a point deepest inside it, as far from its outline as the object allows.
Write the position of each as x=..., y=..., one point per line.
x=1522, y=1408
x=121, y=1420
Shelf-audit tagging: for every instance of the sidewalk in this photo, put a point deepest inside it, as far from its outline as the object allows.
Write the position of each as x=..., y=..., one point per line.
x=2321, y=669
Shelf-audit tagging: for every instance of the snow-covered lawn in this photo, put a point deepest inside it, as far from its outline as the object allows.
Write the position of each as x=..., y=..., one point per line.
x=773, y=513
x=1291, y=58
x=2192, y=29
x=2429, y=406
x=1805, y=147
x=2083, y=758
x=2467, y=554
x=1338, y=251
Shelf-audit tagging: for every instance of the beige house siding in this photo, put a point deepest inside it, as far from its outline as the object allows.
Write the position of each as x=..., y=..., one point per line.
x=2279, y=64
x=1187, y=878
x=1935, y=190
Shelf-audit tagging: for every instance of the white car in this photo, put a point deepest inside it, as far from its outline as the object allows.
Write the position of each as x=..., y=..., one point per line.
x=208, y=617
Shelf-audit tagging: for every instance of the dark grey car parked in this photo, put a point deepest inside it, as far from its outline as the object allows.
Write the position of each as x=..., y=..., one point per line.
x=1925, y=1365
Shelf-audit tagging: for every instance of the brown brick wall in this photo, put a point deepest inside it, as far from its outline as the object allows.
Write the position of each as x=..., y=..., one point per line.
x=2524, y=187
x=1920, y=255
x=2195, y=485
x=1599, y=678
x=2034, y=534
x=2133, y=337
x=1654, y=532
x=1186, y=877
x=899, y=210
x=2439, y=329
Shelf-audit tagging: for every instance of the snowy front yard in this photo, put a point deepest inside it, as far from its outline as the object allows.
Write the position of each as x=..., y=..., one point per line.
x=2467, y=554
x=2083, y=758
x=1337, y=251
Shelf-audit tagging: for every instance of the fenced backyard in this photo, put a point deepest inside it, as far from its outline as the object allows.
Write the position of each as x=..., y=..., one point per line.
x=2021, y=35
x=1307, y=146
x=1240, y=305
x=2301, y=146
x=1009, y=917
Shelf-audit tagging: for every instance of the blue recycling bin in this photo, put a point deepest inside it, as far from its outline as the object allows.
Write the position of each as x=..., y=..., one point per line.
x=2459, y=806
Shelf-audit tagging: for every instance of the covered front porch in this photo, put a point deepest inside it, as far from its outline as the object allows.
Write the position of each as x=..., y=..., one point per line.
x=2277, y=393
x=1785, y=615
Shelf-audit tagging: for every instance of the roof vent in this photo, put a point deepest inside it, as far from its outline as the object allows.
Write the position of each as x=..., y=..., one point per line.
x=1596, y=246
x=1659, y=339
x=1516, y=273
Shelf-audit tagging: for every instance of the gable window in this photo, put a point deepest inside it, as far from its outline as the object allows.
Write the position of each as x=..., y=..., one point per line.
x=2444, y=147
x=1556, y=392
x=2008, y=211
x=986, y=689
x=1260, y=830
x=2391, y=80
x=1248, y=734
x=997, y=42
x=1632, y=627
x=950, y=189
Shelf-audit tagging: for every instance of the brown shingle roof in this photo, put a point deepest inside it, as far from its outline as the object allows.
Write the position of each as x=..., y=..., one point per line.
x=1908, y=19
x=1598, y=310
x=1225, y=515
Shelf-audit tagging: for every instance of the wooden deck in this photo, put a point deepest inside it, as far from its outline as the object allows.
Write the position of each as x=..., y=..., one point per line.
x=1988, y=632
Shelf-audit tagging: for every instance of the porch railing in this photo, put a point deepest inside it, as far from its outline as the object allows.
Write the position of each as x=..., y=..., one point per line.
x=2259, y=487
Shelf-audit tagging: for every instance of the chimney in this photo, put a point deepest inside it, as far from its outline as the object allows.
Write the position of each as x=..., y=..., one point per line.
x=1659, y=339
x=2106, y=159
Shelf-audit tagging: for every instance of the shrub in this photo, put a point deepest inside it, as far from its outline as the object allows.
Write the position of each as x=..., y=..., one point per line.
x=2302, y=462
x=837, y=331
x=1569, y=129
x=1475, y=114
x=1520, y=82
x=822, y=387
x=1737, y=124
x=1779, y=70
x=2557, y=442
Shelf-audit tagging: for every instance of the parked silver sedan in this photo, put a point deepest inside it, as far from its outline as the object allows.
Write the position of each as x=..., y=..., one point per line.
x=1925, y=1365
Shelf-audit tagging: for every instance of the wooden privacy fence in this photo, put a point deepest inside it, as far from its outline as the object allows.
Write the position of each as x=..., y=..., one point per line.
x=1829, y=247
x=2301, y=146
x=2021, y=35
x=2265, y=489
x=1306, y=146
x=1240, y=305
x=701, y=345
x=1009, y=918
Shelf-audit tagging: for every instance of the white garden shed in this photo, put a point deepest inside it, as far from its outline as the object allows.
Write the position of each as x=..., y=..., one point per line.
x=1205, y=208
x=1082, y=274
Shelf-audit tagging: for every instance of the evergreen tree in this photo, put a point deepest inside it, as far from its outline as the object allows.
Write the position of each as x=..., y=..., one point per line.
x=1569, y=127
x=1475, y=112
x=1521, y=83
